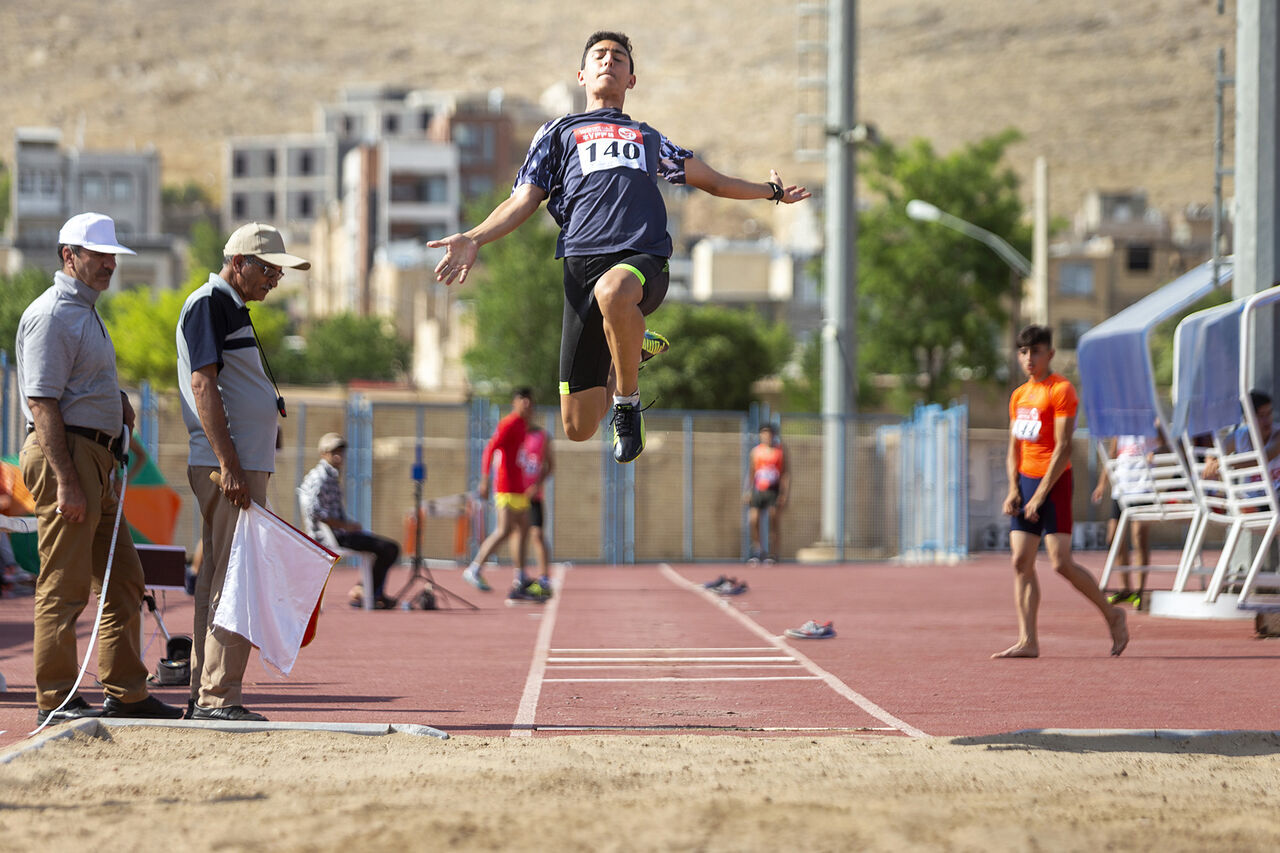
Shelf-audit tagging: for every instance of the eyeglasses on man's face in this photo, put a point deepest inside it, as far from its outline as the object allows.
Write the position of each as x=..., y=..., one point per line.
x=267, y=270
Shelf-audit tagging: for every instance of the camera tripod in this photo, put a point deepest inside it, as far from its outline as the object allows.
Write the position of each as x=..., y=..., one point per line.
x=433, y=594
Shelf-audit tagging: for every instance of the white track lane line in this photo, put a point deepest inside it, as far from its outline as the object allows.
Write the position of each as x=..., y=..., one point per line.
x=525, y=714
x=779, y=643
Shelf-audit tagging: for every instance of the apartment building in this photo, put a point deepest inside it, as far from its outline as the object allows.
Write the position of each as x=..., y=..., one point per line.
x=53, y=182
x=1119, y=250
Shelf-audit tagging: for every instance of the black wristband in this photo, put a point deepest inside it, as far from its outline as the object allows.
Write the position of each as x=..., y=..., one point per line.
x=778, y=192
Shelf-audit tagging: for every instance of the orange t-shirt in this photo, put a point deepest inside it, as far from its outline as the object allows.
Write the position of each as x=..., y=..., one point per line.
x=1033, y=407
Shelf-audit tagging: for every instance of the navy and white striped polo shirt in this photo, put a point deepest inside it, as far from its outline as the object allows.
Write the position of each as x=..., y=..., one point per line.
x=214, y=329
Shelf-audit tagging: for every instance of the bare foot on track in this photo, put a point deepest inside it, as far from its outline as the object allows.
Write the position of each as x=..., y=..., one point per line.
x=1119, y=631
x=1018, y=651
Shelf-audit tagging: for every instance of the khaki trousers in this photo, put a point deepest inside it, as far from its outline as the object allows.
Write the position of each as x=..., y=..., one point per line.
x=73, y=559
x=218, y=657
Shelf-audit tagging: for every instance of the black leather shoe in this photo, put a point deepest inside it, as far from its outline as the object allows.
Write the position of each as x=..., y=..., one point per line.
x=232, y=713
x=76, y=709
x=150, y=708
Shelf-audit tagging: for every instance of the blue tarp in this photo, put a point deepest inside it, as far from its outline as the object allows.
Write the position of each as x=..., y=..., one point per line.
x=1117, y=381
x=1207, y=386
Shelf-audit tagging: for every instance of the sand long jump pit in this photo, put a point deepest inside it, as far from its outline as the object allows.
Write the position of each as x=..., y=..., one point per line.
x=156, y=788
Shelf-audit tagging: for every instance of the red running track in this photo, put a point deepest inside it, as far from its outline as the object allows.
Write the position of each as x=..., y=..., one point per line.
x=644, y=649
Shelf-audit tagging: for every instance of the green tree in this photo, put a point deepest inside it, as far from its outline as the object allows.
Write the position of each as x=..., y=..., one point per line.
x=716, y=355
x=517, y=308
x=143, y=325
x=346, y=347
x=6, y=183
x=931, y=300
x=16, y=293
x=204, y=253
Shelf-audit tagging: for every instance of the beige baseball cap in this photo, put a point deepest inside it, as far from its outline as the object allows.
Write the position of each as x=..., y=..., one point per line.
x=331, y=441
x=263, y=241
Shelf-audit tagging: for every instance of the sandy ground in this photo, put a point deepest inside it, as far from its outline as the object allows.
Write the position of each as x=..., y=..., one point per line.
x=161, y=789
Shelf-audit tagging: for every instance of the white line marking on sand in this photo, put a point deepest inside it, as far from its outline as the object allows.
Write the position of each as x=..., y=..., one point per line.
x=779, y=643
x=523, y=725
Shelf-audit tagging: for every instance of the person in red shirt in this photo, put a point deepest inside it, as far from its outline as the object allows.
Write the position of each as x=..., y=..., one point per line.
x=510, y=496
x=769, y=482
x=1042, y=416
x=538, y=462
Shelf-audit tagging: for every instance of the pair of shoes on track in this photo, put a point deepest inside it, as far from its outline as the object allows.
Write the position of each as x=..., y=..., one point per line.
x=627, y=419
x=758, y=557
x=812, y=630
x=726, y=586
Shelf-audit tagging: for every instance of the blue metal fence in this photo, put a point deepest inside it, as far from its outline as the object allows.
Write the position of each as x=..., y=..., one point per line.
x=933, y=505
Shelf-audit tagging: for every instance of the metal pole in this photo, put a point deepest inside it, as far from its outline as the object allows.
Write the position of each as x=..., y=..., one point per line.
x=839, y=333
x=688, y=488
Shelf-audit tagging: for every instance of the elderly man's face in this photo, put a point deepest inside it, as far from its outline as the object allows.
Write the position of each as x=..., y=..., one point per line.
x=93, y=268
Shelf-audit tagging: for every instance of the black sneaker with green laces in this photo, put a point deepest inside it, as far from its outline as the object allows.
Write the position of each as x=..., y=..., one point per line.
x=628, y=431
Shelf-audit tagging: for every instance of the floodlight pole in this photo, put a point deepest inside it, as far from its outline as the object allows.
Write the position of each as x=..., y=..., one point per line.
x=840, y=262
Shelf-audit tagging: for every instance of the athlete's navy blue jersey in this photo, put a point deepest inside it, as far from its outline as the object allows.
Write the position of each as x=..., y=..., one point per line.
x=600, y=171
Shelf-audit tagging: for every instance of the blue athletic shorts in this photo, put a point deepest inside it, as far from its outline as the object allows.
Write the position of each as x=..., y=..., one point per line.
x=1054, y=515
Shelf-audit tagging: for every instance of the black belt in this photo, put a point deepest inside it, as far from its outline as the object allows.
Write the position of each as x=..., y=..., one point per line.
x=106, y=439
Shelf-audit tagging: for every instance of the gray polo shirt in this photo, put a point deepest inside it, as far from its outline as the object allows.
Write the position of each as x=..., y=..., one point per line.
x=64, y=352
x=214, y=329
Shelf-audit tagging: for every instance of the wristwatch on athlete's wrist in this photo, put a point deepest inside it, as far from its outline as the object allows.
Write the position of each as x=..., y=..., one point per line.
x=778, y=192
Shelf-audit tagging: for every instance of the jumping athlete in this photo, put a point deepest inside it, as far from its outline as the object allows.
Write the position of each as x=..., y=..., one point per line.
x=1042, y=415
x=598, y=172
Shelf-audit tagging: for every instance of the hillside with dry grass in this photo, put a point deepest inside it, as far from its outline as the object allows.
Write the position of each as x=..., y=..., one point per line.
x=1115, y=95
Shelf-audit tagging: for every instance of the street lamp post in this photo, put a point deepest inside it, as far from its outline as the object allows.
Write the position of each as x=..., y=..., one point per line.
x=1019, y=266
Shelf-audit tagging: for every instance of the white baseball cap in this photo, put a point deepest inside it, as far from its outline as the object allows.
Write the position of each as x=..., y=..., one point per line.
x=92, y=231
x=265, y=242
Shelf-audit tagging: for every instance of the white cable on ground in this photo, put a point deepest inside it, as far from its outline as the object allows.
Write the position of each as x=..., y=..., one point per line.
x=102, y=593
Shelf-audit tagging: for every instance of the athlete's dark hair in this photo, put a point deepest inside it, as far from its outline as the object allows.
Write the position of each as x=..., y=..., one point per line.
x=608, y=35
x=523, y=391
x=1259, y=399
x=1033, y=334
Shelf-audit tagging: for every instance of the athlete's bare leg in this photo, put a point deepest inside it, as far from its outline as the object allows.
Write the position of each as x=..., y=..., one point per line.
x=753, y=521
x=507, y=524
x=618, y=293
x=1058, y=545
x=519, y=541
x=541, y=559
x=775, y=531
x=1026, y=595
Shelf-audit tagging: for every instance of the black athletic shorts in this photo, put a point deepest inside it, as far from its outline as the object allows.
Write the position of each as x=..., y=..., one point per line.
x=584, y=352
x=764, y=498
x=535, y=512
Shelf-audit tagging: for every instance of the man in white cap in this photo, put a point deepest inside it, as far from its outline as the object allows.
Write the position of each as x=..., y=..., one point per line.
x=230, y=406
x=76, y=414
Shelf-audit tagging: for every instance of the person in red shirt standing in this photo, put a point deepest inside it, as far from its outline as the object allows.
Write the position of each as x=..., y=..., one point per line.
x=510, y=497
x=767, y=490
x=1042, y=416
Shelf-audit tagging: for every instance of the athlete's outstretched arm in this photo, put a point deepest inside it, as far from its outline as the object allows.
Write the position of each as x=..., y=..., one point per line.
x=461, y=249
x=699, y=174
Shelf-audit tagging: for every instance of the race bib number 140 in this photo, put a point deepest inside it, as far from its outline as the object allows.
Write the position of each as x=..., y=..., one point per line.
x=609, y=146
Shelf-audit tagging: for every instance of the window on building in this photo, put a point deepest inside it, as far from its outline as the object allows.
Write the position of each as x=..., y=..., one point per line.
x=92, y=187
x=424, y=120
x=239, y=165
x=50, y=184
x=26, y=182
x=391, y=123
x=1070, y=332
x=306, y=163
x=1139, y=258
x=237, y=205
x=1075, y=280
x=121, y=187
x=270, y=204
x=306, y=206
x=415, y=188
x=476, y=142
x=477, y=185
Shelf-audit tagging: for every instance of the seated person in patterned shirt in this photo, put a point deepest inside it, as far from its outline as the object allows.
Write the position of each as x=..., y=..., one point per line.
x=322, y=502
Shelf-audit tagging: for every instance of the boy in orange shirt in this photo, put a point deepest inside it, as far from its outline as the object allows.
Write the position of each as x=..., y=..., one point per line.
x=1042, y=415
